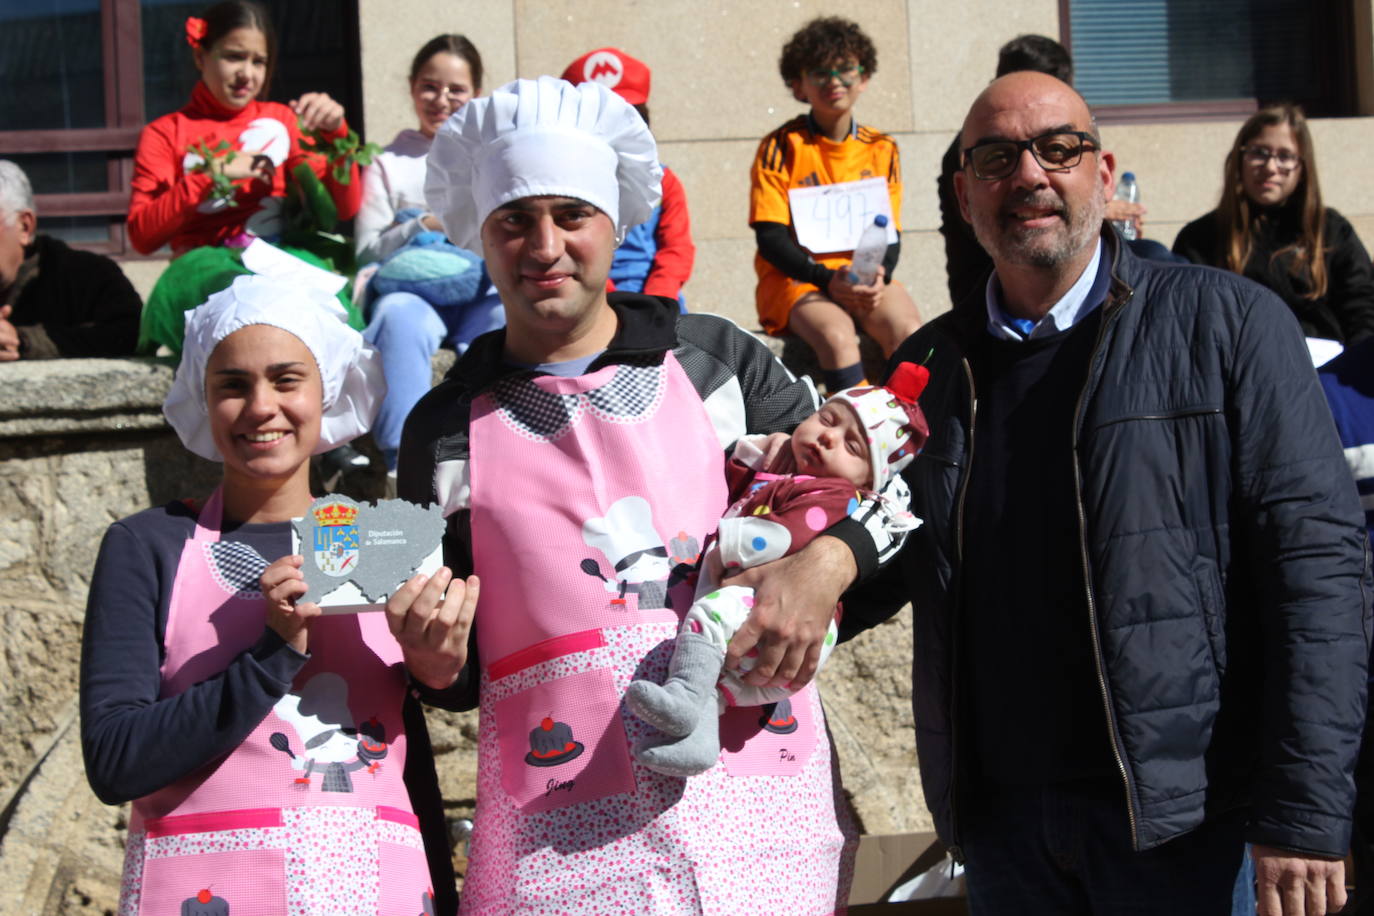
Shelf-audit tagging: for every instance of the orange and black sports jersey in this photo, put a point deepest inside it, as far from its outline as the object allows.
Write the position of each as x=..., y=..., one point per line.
x=793, y=156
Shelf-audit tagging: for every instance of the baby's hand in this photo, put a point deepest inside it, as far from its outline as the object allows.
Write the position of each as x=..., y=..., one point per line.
x=777, y=454
x=282, y=584
x=714, y=566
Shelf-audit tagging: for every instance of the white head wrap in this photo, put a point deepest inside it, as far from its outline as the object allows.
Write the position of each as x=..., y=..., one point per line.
x=543, y=137
x=350, y=369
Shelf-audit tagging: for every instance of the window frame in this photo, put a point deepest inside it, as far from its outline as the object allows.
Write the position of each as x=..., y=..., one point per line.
x=121, y=35
x=122, y=63
x=1345, y=100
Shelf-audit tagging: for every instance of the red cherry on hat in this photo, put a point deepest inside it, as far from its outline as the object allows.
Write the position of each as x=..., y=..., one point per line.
x=908, y=381
x=546, y=724
x=204, y=896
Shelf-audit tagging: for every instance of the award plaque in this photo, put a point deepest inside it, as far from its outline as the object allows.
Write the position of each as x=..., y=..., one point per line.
x=357, y=554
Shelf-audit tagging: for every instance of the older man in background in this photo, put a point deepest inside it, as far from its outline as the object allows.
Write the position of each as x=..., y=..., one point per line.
x=55, y=300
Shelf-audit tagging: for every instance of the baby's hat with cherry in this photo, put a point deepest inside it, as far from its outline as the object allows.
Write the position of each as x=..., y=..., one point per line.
x=892, y=419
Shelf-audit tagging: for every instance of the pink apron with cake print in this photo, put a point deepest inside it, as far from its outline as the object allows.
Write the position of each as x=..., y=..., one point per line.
x=309, y=815
x=590, y=498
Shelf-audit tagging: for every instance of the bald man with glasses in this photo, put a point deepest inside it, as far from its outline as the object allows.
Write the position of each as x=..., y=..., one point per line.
x=1141, y=590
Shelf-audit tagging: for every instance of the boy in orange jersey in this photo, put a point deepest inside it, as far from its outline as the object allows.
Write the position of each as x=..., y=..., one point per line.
x=811, y=293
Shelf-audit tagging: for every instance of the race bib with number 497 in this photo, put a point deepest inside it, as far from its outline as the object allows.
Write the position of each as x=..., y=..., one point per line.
x=830, y=218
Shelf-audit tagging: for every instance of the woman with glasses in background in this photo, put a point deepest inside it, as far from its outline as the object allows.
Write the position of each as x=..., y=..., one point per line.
x=1271, y=227
x=444, y=76
x=426, y=293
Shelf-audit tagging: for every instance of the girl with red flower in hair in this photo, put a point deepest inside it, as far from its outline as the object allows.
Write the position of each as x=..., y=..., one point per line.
x=175, y=201
x=212, y=177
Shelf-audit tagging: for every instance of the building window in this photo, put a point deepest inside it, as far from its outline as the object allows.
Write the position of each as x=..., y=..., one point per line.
x=82, y=77
x=1139, y=59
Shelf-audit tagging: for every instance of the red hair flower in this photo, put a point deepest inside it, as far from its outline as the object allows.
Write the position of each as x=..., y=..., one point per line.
x=195, y=30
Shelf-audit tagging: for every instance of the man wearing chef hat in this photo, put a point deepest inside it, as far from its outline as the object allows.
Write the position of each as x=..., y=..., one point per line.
x=534, y=445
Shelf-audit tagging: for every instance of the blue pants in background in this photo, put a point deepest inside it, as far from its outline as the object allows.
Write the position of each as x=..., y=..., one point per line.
x=407, y=331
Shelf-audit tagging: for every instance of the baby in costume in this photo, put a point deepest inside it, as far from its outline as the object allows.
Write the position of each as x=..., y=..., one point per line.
x=858, y=441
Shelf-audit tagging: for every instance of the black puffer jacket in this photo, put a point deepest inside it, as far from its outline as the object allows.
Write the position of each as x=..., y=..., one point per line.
x=1225, y=548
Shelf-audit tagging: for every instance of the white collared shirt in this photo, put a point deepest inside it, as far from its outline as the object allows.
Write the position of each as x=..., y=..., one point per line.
x=1064, y=314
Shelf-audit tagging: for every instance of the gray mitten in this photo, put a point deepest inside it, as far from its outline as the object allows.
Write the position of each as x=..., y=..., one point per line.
x=687, y=756
x=677, y=706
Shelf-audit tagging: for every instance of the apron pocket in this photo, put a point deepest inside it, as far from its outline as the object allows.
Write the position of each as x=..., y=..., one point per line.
x=405, y=879
x=562, y=742
x=215, y=884
x=773, y=740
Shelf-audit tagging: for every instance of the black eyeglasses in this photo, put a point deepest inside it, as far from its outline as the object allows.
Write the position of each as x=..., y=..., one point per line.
x=1286, y=160
x=1056, y=151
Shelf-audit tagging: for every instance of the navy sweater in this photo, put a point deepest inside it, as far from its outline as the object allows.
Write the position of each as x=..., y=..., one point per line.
x=1024, y=612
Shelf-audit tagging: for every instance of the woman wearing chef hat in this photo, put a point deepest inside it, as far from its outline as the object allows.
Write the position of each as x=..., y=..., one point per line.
x=199, y=661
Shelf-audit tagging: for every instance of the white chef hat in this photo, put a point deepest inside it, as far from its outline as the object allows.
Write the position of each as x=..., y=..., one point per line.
x=350, y=369
x=543, y=137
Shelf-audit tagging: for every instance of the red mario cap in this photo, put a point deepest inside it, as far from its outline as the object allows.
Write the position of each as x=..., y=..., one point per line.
x=624, y=75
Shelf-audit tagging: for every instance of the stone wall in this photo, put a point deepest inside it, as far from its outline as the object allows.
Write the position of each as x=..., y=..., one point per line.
x=83, y=443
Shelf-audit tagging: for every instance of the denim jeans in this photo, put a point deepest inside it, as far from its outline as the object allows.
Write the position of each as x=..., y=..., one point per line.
x=406, y=330
x=1243, y=902
x=1066, y=849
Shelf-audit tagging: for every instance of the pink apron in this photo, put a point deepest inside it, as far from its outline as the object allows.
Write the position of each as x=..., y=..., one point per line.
x=309, y=815
x=580, y=596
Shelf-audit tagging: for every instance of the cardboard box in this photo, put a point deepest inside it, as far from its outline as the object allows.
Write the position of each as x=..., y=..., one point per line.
x=884, y=862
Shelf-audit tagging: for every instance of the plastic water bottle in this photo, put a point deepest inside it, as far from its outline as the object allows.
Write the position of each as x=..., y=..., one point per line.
x=1129, y=191
x=868, y=254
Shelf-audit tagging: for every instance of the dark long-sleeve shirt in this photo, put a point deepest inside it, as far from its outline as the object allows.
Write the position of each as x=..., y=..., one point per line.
x=779, y=248
x=134, y=743
x=1345, y=313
